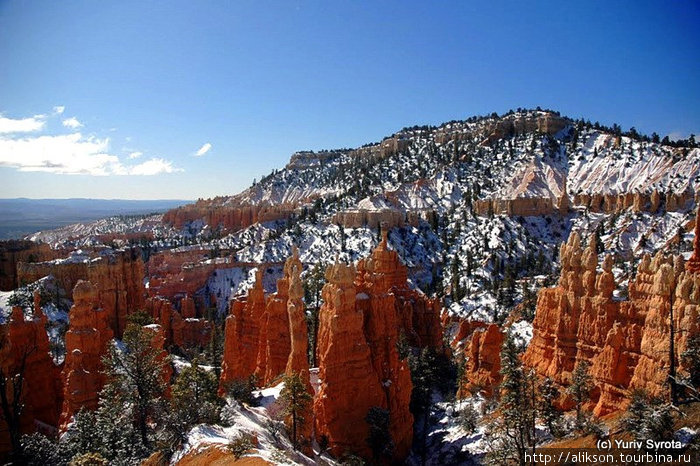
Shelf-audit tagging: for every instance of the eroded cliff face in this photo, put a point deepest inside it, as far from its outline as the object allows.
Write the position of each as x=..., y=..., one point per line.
x=24, y=349
x=626, y=342
x=242, y=333
x=612, y=203
x=87, y=340
x=480, y=344
x=348, y=383
x=13, y=252
x=118, y=278
x=227, y=217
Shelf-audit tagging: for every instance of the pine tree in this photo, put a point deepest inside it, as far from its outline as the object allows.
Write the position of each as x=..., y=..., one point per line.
x=516, y=427
x=580, y=390
x=136, y=374
x=313, y=284
x=296, y=401
x=193, y=401
x=548, y=413
x=648, y=418
x=379, y=439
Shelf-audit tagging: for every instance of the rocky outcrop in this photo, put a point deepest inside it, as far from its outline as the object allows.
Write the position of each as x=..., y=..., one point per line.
x=242, y=332
x=274, y=342
x=66, y=274
x=348, y=383
x=161, y=310
x=512, y=125
x=118, y=278
x=158, y=344
x=363, y=316
x=298, y=362
x=12, y=252
x=482, y=361
x=626, y=342
x=693, y=265
x=87, y=339
x=190, y=333
x=228, y=218
x=24, y=350
x=652, y=201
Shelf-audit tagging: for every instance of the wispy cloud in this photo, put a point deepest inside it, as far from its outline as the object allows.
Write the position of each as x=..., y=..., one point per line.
x=22, y=125
x=203, y=150
x=72, y=123
x=71, y=154
x=59, y=109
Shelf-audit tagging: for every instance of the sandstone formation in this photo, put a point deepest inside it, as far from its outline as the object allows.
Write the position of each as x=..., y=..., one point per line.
x=298, y=362
x=242, y=332
x=158, y=343
x=66, y=274
x=13, y=252
x=227, y=217
x=190, y=333
x=348, y=383
x=24, y=351
x=612, y=203
x=87, y=341
x=482, y=359
x=693, y=265
x=626, y=342
x=361, y=320
x=118, y=278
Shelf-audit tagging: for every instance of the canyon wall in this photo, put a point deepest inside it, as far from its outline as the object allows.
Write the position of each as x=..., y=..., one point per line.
x=25, y=359
x=626, y=342
x=13, y=252
x=228, y=218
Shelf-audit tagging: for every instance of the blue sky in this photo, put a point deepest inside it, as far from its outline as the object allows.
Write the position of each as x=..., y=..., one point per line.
x=115, y=99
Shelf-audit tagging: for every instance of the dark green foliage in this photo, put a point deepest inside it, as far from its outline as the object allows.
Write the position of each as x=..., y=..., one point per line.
x=580, y=391
x=140, y=318
x=38, y=450
x=648, y=418
x=241, y=390
x=313, y=284
x=691, y=361
x=296, y=401
x=135, y=380
x=548, y=413
x=379, y=439
x=468, y=418
x=193, y=401
x=241, y=445
x=511, y=435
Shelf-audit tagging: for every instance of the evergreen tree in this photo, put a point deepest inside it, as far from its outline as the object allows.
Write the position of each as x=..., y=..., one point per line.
x=548, y=413
x=135, y=373
x=193, y=400
x=514, y=431
x=313, y=285
x=379, y=439
x=648, y=418
x=580, y=390
x=296, y=401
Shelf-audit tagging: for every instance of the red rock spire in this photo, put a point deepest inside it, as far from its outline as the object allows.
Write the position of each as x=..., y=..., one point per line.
x=693, y=264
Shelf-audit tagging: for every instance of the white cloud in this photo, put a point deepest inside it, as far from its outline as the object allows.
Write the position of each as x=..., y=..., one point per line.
x=153, y=167
x=71, y=154
x=203, y=150
x=22, y=125
x=59, y=109
x=72, y=123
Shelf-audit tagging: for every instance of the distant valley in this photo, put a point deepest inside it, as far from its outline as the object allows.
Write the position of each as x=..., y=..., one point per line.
x=22, y=216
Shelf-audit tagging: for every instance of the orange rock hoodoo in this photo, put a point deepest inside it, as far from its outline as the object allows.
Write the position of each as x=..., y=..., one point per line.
x=693, y=265
x=25, y=350
x=482, y=353
x=87, y=339
x=242, y=332
x=626, y=342
x=359, y=366
x=349, y=385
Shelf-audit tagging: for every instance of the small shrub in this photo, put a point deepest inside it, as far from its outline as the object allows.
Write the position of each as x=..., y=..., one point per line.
x=469, y=419
x=242, y=444
x=242, y=390
x=88, y=459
